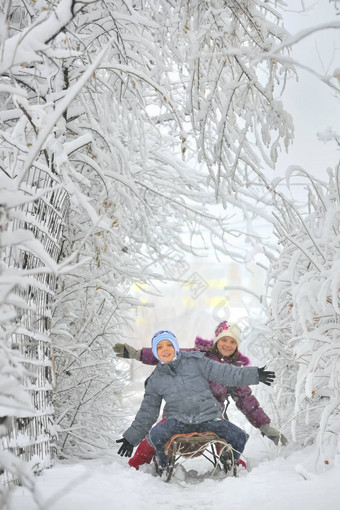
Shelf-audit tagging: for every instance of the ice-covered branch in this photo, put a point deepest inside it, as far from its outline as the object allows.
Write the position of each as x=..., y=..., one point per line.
x=289, y=41
x=62, y=106
x=26, y=45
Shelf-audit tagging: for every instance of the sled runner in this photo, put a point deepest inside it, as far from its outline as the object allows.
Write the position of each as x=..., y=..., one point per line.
x=181, y=447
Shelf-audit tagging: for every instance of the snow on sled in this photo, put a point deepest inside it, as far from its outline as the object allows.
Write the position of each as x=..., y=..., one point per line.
x=183, y=447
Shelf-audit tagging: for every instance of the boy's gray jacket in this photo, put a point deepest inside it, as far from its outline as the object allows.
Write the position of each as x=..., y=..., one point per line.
x=183, y=384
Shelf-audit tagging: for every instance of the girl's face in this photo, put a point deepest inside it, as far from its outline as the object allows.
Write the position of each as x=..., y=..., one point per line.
x=165, y=351
x=227, y=346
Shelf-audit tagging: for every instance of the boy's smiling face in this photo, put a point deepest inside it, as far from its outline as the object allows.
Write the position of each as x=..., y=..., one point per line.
x=165, y=351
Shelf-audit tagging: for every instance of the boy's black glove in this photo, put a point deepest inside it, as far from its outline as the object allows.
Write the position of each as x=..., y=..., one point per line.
x=265, y=376
x=126, y=449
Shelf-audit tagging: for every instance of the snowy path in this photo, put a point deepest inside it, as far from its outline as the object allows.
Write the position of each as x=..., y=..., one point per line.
x=110, y=484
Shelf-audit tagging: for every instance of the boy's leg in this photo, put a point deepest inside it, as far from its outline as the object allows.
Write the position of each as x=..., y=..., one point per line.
x=160, y=435
x=143, y=454
x=226, y=430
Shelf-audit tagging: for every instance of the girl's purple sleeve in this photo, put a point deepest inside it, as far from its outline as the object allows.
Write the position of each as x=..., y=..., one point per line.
x=147, y=357
x=249, y=406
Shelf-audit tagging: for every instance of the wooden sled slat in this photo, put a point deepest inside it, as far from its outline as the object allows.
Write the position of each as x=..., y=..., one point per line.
x=189, y=446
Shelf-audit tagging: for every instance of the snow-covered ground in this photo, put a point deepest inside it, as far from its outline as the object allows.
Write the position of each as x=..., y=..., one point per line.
x=274, y=481
x=277, y=478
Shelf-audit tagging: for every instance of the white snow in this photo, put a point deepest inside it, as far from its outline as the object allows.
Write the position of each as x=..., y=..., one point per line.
x=272, y=482
x=277, y=478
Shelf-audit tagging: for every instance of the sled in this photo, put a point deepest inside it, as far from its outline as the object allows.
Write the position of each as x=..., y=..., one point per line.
x=182, y=447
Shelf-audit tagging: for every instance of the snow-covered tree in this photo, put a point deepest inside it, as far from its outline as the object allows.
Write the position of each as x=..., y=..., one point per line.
x=90, y=132
x=123, y=122
x=217, y=56
x=300, y=330
x=302, y=333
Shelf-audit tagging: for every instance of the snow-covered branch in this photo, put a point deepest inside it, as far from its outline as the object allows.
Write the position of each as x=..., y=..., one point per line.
x=26, y=46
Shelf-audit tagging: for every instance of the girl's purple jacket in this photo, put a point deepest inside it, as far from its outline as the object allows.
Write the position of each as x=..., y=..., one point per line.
x=242, y=395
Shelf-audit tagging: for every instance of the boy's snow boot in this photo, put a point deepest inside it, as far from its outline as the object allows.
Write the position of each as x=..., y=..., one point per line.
x=241, y=463
x=159, y=470
x=143, y=454
x=227, y=462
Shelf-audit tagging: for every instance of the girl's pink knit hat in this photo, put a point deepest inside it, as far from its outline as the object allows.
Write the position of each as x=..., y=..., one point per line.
x=227, y=329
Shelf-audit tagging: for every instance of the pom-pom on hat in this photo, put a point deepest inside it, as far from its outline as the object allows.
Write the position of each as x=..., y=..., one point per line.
x=163, y=335
x=227, y=329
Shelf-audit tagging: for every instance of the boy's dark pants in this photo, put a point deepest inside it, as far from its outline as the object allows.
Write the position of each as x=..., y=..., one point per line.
x=161, y=433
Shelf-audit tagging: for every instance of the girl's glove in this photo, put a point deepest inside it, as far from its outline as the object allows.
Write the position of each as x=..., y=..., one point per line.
x=126, y=449
x=126, y=351
x=265, y=376
x=274, y=435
